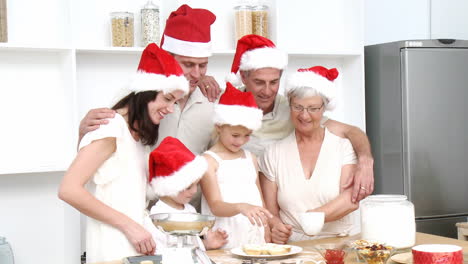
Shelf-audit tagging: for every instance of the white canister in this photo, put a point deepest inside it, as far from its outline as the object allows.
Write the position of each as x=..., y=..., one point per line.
x=388, y=219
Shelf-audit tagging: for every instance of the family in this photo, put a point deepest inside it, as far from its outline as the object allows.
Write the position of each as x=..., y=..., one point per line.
x=260, y=158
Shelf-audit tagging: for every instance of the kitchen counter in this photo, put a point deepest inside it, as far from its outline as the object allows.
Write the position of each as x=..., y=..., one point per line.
x=308, y=254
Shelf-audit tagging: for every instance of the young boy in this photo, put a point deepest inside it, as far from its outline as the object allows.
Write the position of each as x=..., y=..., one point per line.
x=174, y=172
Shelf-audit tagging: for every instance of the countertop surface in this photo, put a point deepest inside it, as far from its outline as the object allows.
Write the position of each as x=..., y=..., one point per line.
x=309, y=254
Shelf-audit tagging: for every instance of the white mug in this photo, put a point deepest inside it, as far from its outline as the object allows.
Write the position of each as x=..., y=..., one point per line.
x=312, y=222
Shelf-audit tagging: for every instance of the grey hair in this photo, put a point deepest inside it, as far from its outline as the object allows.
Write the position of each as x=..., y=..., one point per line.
x=246, y=73
x=303, y=92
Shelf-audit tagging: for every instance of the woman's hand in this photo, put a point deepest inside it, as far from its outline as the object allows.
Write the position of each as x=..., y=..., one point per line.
x=280, y=232
x=256, y=214
x=215, y=239
x=140, y=238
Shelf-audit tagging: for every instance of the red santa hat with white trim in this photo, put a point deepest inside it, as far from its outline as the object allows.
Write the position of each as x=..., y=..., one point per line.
x=188, y=32
x=255, y=52
x=158, y=71
x=317, y=78
x=237, y=108
x=173, y=167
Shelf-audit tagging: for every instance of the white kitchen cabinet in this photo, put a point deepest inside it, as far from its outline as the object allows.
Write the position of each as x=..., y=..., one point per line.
x=58, y=64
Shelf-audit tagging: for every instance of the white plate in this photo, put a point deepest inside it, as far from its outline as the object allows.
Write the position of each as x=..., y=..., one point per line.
x=239, y=252
x=403, y=258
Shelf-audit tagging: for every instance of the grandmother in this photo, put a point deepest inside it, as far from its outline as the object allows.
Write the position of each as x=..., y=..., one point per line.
x=304, y=171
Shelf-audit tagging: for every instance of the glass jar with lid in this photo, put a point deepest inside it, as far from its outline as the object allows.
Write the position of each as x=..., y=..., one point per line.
x=122, y=29
x=260, y=18
x=243, y=17
x=149, y=24
x=388, y=219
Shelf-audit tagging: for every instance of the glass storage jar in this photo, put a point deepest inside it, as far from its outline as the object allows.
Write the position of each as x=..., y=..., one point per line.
x=149, y=24
x=260, y=19
x=243, y=16
x=122, y=29
x=388, y=219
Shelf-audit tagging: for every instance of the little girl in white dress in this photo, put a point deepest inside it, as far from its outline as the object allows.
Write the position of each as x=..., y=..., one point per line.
x=231, y=189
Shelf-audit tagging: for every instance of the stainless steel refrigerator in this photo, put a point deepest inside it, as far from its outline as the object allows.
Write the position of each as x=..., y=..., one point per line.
x=417, y=122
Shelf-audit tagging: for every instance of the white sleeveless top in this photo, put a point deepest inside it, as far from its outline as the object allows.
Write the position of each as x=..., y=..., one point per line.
x=237, y=184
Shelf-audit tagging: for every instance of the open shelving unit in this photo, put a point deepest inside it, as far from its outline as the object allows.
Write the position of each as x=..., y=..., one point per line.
x=57, y=66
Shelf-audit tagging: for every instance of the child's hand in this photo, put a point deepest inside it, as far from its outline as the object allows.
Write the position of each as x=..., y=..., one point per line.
x=215, y=239
x=256, y=214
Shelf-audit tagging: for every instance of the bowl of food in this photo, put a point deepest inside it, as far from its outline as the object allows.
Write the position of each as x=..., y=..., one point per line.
x=332, y=253
x=183, y=223
x=375, y=253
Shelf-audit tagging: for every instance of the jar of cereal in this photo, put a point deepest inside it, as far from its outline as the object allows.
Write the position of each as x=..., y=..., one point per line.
x=243, y=16
x=149, y=24
x=260, y=18
x=122, y=29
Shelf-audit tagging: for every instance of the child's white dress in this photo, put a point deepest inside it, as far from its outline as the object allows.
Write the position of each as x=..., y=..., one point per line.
x=237, y=184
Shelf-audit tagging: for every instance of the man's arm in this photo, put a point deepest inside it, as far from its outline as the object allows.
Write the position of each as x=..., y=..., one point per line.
x=363, y=179
x=93, y=119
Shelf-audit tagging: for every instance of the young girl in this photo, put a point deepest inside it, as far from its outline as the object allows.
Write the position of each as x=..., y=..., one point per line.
x=174, y=173
x=231, y=189
x=112, y=162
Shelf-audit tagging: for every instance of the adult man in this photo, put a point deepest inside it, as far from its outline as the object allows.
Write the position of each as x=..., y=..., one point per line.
x=187, y=37
x=258, y=66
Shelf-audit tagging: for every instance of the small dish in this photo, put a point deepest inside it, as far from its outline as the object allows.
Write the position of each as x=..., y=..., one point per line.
x=375, y=254
x=332, y=253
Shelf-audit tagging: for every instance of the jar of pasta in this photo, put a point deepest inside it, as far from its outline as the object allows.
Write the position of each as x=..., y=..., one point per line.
x=122, y=29
x=243, y=17
x=260, y=18
x=149, y=24
x=388, y=219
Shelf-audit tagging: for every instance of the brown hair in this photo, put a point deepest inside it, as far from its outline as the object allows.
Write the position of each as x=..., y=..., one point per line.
x=139, y=120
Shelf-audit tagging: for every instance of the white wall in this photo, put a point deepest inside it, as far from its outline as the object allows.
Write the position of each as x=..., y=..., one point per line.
x=35, y=222
x=394, y=20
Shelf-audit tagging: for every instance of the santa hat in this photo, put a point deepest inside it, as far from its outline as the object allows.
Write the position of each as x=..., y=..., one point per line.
x=158, y=71
x=173, y=167
x=255, y=52
x=237, y=108
x=317, y=78
x=188, y=32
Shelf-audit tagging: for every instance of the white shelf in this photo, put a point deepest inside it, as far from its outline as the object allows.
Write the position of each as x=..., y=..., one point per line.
x=111, y=50
x=26, y=48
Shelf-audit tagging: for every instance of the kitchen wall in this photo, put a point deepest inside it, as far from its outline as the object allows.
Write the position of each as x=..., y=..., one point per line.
x=42, y=228
x=387, y=21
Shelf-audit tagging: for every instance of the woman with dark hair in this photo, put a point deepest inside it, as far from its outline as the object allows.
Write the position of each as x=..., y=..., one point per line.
x=108, y=178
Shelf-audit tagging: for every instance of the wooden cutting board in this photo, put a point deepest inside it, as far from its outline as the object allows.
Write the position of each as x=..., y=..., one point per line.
x=3, y=21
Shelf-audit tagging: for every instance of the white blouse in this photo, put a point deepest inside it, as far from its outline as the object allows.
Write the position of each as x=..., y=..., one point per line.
x=281, y=164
